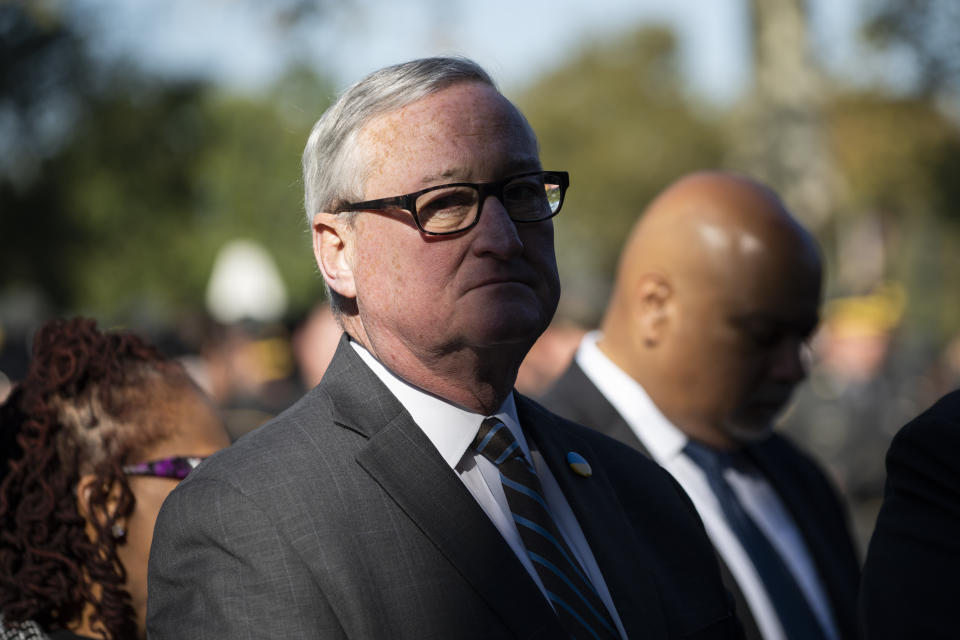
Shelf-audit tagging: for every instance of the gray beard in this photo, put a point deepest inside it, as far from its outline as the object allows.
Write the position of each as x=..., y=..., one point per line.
x=746, y=435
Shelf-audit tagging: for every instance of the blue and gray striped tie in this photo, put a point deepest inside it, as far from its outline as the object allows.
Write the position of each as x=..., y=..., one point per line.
x=581, y=612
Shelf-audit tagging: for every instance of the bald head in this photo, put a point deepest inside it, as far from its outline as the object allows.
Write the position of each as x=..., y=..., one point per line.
x=717, y=289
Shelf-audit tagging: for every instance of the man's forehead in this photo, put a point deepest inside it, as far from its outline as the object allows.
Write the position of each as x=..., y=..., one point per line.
x=455, y=135
x=466, y=110
x=767, y=290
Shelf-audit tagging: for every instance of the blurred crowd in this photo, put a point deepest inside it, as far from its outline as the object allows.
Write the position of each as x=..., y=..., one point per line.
x=864, y=382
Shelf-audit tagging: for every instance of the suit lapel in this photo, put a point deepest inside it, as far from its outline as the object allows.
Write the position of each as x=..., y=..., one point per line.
x=598, y=413
x=406, y=465
x=609, y=421
x=623, y=561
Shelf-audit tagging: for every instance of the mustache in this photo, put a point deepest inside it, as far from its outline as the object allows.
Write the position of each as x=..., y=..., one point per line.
x=774, y=397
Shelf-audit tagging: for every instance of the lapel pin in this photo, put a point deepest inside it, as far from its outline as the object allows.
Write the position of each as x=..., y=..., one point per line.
x=579, y=464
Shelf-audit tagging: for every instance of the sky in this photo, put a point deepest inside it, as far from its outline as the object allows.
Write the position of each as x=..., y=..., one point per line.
x=239, y=43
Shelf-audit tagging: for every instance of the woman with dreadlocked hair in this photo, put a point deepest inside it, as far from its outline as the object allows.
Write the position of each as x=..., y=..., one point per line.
x=105, y=427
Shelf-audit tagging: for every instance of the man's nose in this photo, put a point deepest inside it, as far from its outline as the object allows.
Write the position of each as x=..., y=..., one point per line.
x=789, y=360
x=495, y=232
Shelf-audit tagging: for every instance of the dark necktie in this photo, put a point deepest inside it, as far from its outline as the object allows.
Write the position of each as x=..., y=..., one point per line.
x=792, y=608
x=581, y=612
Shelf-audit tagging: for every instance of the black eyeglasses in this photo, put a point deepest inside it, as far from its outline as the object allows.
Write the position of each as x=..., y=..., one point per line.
x=455, y=207
x=177, y=467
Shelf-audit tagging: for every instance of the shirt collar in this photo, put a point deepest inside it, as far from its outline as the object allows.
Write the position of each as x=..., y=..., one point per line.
x=449, y=427
x=659, y=436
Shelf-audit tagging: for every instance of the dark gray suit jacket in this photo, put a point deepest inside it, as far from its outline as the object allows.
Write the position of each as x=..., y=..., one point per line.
x=339, y=519
x=797, y=479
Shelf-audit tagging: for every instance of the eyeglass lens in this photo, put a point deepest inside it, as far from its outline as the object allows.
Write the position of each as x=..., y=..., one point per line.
x=526, y=199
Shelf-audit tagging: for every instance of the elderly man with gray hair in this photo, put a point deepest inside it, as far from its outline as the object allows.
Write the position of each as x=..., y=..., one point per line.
x=413, y=493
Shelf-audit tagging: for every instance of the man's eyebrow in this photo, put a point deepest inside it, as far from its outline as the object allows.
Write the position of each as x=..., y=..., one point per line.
x=804, y=324
x=461, y=174
x=447, y=175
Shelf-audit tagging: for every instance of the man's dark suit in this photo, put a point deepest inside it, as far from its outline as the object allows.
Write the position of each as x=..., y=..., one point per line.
x=339, y=519
x=801, y=485
x=912, y=572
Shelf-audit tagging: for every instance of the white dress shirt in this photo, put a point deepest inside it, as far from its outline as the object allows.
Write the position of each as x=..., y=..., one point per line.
x=452, y=430
x=665, y=444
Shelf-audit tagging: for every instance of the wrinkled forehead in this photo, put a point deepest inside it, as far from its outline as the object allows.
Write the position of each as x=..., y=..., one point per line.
x=464, y=123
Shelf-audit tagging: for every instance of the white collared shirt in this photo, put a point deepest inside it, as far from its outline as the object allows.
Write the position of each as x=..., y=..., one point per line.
x=452, y=430
x=665, y=444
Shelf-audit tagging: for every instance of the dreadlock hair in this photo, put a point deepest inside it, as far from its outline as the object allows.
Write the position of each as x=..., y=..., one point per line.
x=84, y=408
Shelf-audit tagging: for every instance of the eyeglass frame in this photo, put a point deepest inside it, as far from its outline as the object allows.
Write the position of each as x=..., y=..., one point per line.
x=408, y=201
x=180, y=467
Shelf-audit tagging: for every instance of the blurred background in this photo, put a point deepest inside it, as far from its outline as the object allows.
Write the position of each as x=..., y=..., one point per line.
x=149, y=174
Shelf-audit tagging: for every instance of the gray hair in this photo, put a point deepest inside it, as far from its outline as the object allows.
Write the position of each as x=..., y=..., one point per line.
x=331, y=171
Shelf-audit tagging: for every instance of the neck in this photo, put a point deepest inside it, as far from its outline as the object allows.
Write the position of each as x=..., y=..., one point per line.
x=478, y=380
x=676, y=409
x=84, y=626
x=662, y=392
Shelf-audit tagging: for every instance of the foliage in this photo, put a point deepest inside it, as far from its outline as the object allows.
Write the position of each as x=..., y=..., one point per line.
x=618, y=119
x=897, y=154
x=930, y=31
x=250, y=178
x=118, y=189
x=126, y=216
x=903, y=156
x=899, y=159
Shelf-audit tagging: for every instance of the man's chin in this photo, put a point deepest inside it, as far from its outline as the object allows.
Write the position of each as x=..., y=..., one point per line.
x=750, y=432
x=515, y=335
x=508, y=325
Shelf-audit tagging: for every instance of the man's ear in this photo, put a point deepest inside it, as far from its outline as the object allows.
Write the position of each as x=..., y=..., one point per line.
x=96, y=514
x=332, y=246
x=652, y=308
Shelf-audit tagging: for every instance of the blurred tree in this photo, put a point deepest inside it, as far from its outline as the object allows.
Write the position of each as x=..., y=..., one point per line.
x=124, y=217
x=41, y=69
x=250, y=177
x=619, y=119
x=929, y=30
x=43, y=80
x=126, y=181
x=899, y=159
x=871, y=173
x=919, y=138
x=777, y=132
x=898, y=154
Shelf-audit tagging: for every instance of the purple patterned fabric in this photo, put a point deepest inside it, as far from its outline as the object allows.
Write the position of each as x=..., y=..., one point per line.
x=177, y=467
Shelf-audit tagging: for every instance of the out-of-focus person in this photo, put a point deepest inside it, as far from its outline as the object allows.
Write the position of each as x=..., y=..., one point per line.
x=314, y=342
x=549, y=357
x=910, y=577
x=248, y=369
x=701, y=346
x=96, y=435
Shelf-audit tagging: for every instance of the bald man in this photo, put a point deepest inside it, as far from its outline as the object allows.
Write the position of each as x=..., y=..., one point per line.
x=701, y=346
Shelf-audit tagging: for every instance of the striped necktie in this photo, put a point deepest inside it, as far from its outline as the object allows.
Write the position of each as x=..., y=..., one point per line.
x=581, y=612
x=796, y=615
